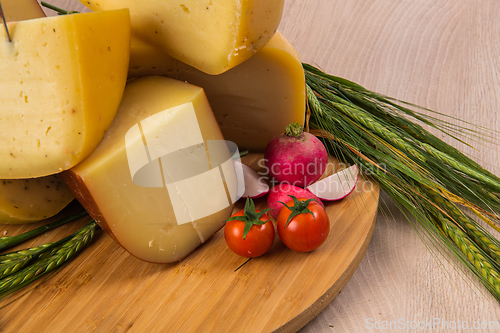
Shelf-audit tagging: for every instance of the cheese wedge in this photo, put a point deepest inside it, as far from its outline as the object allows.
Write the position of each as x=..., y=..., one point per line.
x=18, y=10
x=61, y=81
x=160, y=182
x=210, y=35
x=30, y=200
x=252, y=102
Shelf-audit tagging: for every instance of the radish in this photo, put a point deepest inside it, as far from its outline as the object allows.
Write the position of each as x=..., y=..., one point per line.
x=336, y=186
x=296, y=157
x=281, y=193
x=255, y=185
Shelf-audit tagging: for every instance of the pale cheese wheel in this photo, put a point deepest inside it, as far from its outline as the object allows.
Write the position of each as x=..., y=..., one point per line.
x=210, y=35
x=252, y=102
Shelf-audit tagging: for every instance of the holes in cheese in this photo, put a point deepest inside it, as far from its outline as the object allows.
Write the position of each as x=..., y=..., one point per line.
x=252, y=102
x=30, y=200
x=61, y=81
x=210, y=35
x=160, y=182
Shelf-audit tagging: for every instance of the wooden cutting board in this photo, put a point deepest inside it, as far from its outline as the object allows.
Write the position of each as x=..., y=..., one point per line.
x=105, y=289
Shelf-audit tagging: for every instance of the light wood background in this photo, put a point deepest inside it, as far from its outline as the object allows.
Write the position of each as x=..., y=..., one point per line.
x=441, y=54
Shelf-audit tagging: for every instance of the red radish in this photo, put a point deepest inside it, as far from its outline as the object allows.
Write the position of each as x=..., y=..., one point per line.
x=281, y=193
x=255, y=185
x=296, y=157
x=336, y=186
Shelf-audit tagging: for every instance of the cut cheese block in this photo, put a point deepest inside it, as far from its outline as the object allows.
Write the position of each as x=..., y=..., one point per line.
x=30, y=200
x=61, y=81
x=252, y=102
x=162, y=180
x=210, y=35
x=18, y=10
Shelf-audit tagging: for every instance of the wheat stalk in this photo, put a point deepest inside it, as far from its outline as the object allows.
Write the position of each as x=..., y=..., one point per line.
x=13, y=262
x=469, y=225
x=423, y=175
x=10, y=241
x=58, y=256
x=473, y=254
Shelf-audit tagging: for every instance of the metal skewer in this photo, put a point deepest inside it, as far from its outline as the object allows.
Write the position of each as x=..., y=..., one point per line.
x=5, y=22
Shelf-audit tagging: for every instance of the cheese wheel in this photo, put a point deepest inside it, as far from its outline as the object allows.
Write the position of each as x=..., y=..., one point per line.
x=252, y=102
x=61, y=81
x=30, y=200
x=210, y=35
x=18, y=10
x=160, y=182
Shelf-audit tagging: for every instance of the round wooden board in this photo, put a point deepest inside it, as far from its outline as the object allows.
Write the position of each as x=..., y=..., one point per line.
x=105, y=289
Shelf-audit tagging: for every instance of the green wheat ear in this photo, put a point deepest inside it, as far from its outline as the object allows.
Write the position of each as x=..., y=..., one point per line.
x=67, y=249
x=383, y=135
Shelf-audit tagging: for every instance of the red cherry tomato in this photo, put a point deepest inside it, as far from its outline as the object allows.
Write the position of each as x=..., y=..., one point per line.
x=258, y=240
x=303, y=233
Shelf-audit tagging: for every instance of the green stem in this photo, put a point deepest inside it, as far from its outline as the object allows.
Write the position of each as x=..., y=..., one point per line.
x=242, y=264
x=59, y=11
x=242, y=153
x=10, y=241
x=294, y=129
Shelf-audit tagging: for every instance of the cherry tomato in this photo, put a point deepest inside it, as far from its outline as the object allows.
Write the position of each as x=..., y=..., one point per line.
x=303, y=232
x=259, y=236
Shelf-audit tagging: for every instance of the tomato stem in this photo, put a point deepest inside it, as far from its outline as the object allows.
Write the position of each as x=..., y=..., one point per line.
x=299, y=207
x=250, y=216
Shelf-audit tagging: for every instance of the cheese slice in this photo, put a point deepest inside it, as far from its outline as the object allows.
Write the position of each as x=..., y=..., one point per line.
x=252, y=102
x=160, y=182
x=18, y=10
x=61, y=81
x=30, y=200
x=210, y=35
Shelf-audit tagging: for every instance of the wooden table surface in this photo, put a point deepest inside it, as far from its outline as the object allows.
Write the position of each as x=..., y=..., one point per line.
x=441, y=54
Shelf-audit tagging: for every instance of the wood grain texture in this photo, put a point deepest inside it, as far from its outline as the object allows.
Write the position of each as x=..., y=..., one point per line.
x=442, y=54
x=105, y=289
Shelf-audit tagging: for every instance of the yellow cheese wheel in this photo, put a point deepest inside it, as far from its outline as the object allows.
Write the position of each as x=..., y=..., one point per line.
x=30, y=200
x=61, y=81
x=252, y=102
x=156, y=183
x=210, y=35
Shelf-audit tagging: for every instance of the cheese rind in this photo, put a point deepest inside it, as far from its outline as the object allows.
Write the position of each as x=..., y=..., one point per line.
x=154, y=129
x=31, y=200
x=61, y=81
x=210, y=35
x=252, y=102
